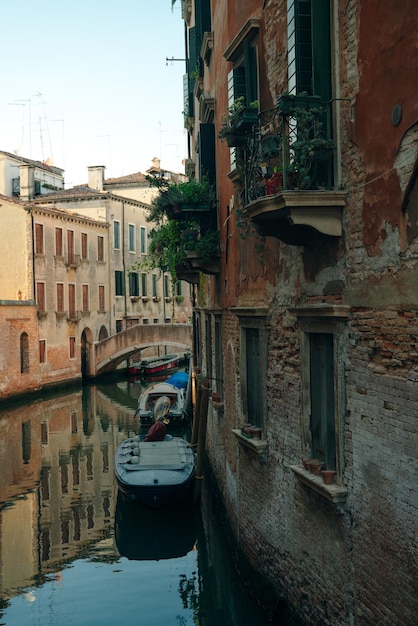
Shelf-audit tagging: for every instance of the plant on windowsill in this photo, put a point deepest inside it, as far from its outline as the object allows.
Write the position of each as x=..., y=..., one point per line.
x=134, y=298
x=156, y=298
x=237, y=122
x=179, y=299
x=177, y=199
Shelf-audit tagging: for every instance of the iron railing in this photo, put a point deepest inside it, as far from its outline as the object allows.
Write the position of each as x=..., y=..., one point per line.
x=290, y=148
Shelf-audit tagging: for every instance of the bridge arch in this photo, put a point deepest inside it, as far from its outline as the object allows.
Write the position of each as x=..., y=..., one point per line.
x=112, y=351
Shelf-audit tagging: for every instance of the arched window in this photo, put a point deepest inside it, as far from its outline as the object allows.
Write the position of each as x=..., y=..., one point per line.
x=24, y=353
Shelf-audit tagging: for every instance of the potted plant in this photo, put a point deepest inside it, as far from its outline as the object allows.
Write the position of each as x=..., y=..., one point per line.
x=237, y=121
x=174, y=199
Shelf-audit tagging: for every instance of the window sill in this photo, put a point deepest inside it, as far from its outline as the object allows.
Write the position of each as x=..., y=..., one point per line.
x=256, y=445
x=334, y=493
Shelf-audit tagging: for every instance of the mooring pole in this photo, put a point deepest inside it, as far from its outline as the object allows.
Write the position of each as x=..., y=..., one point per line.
x=203, y=414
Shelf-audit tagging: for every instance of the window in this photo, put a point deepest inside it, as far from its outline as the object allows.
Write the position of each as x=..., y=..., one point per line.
x=134, y=284
x=71, y=302
x=179, y=288
x=253, y=360
x=39, y=239
x=322, y=420
x=323, y=362
x=309, y=48
x=24, y=353
x=102, y=305
x=154, y=286
x=219, y=374
x=116, y=235
x=86, y=304
x=71, y=345
x=100, y=249
x=42, y=351
x=58, y=242
x=131, y=235
x=44, y=433
x=208, y=345
x=119, y=283
x=166, y=286
x=26, y=441
x=60, y=297
x=144, y=284
x=84, y=246
x=243, y=78
x=40, y=297
x=70, y=246
x=143, y=240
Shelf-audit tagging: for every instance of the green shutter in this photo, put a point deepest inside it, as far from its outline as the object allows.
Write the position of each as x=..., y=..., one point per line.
x=322, y=398
x=321, y=49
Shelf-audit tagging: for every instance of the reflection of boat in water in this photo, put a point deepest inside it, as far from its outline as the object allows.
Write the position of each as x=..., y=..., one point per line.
x=155, y=473
x=177, y=389
x=155, y=365
x=142, y=533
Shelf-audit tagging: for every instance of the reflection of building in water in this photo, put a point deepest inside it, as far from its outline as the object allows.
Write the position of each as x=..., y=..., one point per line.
x=56, y=470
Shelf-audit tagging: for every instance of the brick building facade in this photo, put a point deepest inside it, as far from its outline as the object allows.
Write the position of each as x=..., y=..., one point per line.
x=310, y=328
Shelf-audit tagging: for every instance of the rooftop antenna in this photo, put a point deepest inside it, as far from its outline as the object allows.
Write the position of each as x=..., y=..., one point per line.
x=39, y=95
x=22, y=104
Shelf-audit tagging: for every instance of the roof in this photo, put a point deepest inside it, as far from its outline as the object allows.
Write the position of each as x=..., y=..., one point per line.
x=39, y=164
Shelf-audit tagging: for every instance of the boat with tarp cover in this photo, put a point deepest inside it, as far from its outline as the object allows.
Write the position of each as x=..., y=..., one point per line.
x=155, y=473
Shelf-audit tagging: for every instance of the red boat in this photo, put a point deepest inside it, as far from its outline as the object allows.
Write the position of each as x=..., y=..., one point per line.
x=155, y=365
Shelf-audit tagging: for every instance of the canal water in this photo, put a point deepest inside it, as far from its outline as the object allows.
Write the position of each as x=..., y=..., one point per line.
x=73, y=552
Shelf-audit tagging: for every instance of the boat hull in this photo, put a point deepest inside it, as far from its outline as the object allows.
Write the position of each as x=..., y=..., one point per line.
x=155, y=365
x=178, y=412
x=164, y=473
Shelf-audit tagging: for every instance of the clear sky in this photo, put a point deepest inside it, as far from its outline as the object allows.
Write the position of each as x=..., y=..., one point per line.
x=86, y=82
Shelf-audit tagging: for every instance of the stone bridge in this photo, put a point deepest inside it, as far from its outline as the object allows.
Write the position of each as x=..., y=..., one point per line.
x=106, y=355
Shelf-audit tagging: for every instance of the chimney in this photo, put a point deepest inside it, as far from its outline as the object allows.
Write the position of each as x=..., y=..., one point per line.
x=96, y=177
x=27, y=182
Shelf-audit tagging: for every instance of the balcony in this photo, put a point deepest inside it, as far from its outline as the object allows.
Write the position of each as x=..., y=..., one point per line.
x=73, y=260
x=288, y=172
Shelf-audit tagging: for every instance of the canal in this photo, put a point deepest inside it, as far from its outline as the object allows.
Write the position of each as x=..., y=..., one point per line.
x=73, y=552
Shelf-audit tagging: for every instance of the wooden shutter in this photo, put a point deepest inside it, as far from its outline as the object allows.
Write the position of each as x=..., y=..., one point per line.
x=39, y=238
x=40, y=297
x=71, y=301
x=322, y=398
x=84, y=245
x=58, y=242
x=253, y=367
x=60, y=297
x=101, y=298
x=100, y=249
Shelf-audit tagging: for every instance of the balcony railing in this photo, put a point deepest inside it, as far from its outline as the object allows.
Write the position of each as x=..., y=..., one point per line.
x=287, y=172
x=291, y=148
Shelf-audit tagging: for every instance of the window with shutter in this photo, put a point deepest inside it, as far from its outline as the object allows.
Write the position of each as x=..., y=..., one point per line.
x=84, y=246
x=39, y=239
x=40, y=296
x=24, y=353
x=58, y=242
x=100, y=249
x=102, y=306
x=60, y=297
x=119, y=283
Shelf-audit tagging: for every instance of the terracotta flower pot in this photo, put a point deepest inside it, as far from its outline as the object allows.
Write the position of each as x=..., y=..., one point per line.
x=316, y=467
x=216, y=397
x=256, y=432
x=328, y=476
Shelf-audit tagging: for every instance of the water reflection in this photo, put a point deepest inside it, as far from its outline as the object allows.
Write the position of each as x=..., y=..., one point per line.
x=73, y=551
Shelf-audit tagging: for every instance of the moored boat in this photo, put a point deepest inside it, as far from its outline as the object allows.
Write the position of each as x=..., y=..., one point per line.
x=155, y=473
x=155, y=365
x=178, y=396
